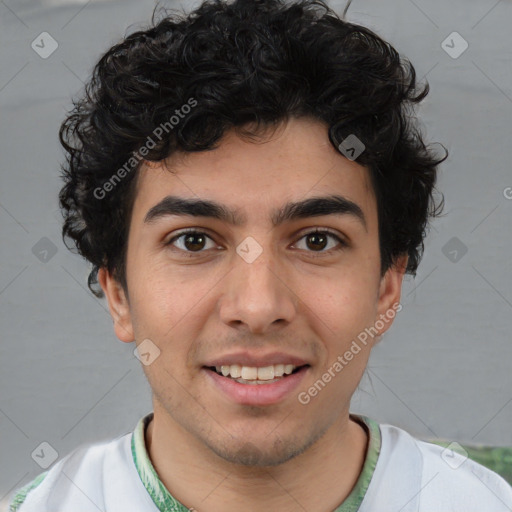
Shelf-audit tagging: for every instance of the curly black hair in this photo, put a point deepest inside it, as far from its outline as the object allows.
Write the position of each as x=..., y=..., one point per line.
x=247, y=63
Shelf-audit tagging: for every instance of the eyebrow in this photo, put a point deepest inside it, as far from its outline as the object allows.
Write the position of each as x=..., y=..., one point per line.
x=311, y=207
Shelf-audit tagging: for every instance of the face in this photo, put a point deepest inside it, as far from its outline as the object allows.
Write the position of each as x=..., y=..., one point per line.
x=259, y=288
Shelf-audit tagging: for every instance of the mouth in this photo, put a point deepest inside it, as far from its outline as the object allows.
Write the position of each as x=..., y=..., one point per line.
x=251, y=385
x=256, y=375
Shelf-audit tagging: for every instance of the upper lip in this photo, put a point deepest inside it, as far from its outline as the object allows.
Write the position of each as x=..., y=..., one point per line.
x=248, y=359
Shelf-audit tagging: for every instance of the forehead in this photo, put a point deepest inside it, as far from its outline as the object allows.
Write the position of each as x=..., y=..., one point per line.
x=253, y=177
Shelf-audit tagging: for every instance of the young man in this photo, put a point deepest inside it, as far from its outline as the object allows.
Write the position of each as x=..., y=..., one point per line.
x=250, y=188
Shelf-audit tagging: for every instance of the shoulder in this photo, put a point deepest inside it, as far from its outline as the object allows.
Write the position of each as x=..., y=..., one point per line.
x=82, y=469
x=447, y=477
x=450, y=469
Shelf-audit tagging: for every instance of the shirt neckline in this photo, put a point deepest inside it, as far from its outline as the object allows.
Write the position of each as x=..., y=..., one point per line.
x=165, y=502
x=354, y=500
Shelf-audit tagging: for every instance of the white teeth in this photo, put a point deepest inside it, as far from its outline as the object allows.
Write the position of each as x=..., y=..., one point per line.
x=288, y=368
x=265, y=373
x=235, y=371
x=255, y=382
x=249, y=372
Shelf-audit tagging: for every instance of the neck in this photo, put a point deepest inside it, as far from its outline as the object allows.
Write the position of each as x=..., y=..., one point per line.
x=320, y=478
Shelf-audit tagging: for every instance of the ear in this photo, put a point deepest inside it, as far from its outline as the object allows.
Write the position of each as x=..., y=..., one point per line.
x=118, y=305
x=390, y=291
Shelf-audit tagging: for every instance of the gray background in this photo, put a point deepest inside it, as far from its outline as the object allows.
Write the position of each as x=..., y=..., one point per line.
x=443, y=370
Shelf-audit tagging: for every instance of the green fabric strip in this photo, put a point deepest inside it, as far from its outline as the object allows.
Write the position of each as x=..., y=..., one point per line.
x=21, y=494
x=156, y=489
x=167, y=503
x=355, y=498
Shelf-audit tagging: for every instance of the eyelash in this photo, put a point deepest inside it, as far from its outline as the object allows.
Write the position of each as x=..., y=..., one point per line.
x=315, y=254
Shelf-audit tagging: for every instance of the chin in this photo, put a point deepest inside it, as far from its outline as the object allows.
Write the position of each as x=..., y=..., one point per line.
x=268, y=452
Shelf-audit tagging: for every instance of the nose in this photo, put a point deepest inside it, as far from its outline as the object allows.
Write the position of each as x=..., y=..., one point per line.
x=257, y=296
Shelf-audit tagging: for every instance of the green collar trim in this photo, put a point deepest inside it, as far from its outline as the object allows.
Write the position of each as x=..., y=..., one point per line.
x=21, y=494
x=167, y=503
x=353, y=501
x=156, y=489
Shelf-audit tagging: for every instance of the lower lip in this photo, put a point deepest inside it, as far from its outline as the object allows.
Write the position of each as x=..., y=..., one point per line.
x=258, y=394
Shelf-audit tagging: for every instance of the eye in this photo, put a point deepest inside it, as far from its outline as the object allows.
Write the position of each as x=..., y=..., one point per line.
x=191, y=241
x=319, y=240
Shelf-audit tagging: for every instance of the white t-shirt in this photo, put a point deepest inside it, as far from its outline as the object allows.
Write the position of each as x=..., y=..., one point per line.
x=400, y=474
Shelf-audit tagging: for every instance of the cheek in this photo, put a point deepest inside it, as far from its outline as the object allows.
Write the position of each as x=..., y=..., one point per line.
x=168, y=307
x=345, y=316
x=343, y=306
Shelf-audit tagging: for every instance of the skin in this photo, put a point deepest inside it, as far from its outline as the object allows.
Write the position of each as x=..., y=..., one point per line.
x=211, y=453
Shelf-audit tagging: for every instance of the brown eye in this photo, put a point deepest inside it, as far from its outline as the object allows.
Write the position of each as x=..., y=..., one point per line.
x=317, y=241
x=191, y=241
x=194, y=242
